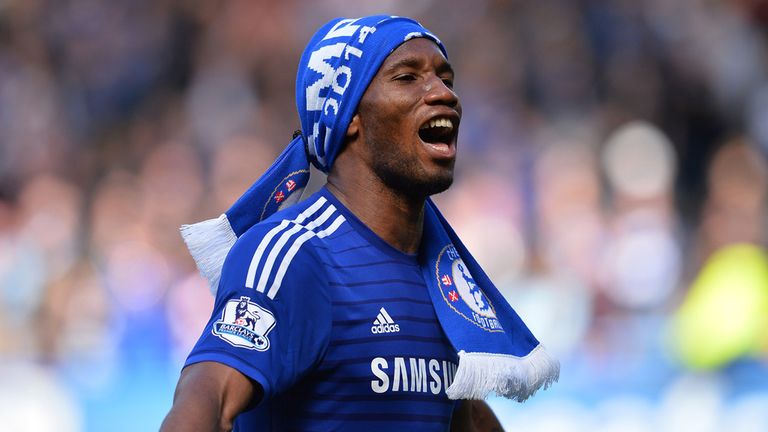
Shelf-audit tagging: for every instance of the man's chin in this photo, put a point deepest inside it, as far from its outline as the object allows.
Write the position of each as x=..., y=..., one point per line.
x=414, y=182
x=438, y=186
x=422, y=188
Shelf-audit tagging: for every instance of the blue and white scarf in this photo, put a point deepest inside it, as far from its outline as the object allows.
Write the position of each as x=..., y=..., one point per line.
x=497, y=353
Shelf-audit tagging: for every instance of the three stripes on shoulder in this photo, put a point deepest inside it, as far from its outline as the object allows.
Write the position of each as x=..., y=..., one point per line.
x=278, y=256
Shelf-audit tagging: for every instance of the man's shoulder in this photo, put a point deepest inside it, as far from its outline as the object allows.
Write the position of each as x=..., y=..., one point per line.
x=293, y=237
x=302, y=221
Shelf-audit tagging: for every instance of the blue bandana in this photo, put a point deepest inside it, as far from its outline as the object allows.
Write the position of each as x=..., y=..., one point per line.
x=497, y=352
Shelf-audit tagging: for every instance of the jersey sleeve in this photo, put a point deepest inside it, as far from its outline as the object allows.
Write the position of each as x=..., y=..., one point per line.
x=271, y=319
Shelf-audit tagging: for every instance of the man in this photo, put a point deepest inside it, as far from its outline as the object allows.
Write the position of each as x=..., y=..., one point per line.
x=364, y=323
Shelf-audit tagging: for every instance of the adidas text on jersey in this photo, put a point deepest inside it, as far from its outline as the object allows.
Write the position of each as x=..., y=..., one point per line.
x=384, y=323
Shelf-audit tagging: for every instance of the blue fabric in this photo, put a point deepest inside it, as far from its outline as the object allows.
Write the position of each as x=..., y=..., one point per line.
x=328, y=347
x=486, y=321
x=335, y=70
x=302, y=318
x=272, y=190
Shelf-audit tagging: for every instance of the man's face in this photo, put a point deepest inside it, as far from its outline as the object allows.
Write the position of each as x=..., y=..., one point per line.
x=409, y=120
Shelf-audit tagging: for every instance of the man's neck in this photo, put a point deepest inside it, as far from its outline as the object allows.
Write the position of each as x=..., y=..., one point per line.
x=396, y=218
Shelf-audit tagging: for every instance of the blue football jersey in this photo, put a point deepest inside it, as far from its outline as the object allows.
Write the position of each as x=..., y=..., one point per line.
x=335, y=324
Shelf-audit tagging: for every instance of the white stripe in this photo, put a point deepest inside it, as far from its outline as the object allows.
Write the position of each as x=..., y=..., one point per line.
x=295, y=248
x=330, y=230
x=251, y=277
x=327, y=142
x=386, y=316
x=379, y=320
x=270, y=262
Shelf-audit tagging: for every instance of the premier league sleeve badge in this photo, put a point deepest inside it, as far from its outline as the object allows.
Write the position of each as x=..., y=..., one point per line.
x=245, y=324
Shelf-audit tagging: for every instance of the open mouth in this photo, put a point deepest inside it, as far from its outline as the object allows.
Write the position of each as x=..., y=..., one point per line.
x=439, y=130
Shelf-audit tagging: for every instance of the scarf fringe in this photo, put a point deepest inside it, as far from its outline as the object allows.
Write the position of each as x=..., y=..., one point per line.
x=209, y=243
x=516, y=378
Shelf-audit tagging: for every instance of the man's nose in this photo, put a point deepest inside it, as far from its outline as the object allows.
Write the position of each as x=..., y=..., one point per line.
x=439, y=93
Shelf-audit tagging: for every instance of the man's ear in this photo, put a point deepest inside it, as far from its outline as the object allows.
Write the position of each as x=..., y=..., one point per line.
x=354, y=127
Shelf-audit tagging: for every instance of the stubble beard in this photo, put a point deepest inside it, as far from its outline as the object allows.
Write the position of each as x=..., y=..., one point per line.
x=403, y=174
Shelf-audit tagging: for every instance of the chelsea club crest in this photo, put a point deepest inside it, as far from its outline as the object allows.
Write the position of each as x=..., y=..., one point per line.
x=462, y=294
x=245, y=324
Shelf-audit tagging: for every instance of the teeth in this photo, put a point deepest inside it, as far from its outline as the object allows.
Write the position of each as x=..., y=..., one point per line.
x=439, y=122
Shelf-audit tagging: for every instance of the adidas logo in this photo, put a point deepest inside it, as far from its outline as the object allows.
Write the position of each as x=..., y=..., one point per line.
x=384, y=323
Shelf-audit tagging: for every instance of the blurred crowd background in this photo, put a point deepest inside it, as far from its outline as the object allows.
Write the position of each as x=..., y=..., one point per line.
x=617, y=148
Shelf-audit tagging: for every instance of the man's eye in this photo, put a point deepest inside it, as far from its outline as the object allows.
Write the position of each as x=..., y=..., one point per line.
x=448, y=83
x=405, y=77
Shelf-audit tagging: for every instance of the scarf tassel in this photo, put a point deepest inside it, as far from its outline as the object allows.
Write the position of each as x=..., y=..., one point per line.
x=516, y=378
x=209, y=242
